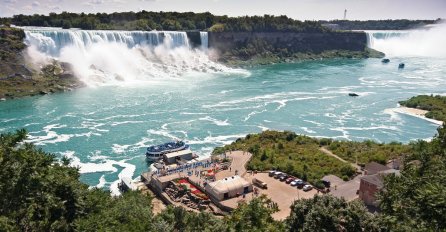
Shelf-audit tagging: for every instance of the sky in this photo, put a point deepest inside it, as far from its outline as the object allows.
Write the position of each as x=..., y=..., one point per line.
x=297, y=9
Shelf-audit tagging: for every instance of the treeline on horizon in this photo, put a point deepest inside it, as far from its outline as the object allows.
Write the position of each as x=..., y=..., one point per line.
x=187, y=21
x=172, y=21
x=388, y=24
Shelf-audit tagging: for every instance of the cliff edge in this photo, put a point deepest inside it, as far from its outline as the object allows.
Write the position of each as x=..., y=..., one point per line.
x=19, y=78
x=241, y=48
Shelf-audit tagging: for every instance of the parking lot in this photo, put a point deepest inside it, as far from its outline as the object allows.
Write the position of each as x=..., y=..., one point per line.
x=281, y=193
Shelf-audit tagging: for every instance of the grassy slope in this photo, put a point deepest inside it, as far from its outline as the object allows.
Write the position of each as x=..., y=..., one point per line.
x=436, y=105
x=368, y=151
x=300, y=155
x=285, y=151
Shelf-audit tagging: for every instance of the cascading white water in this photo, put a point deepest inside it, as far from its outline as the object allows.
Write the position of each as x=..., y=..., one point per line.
x=420, y=42
x=204, y=40
x=113, y=57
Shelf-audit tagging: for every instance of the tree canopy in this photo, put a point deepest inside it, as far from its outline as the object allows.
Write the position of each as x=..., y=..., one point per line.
x=145, y=20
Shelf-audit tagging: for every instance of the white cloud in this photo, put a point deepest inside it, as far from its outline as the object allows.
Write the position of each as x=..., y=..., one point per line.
x=35, y=4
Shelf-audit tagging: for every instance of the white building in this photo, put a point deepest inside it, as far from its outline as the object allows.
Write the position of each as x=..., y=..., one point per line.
x=228, y=187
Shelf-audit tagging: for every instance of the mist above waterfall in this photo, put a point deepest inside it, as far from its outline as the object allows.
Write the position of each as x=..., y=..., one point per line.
x=428, y=42
x=116, y=57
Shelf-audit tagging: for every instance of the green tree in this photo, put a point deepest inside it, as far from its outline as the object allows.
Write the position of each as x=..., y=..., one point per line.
x=416, y=199
x=254, y=216
x=329, y=213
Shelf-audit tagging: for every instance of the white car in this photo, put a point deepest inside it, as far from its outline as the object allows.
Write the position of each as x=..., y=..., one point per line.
x=277, y=174
x=294, y=182
x=307, y=188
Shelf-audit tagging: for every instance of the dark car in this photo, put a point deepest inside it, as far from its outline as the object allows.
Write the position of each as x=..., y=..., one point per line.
x=300, y=184
x=289, y=180
x=271, y=173
x=283, y=177
x=326, y=183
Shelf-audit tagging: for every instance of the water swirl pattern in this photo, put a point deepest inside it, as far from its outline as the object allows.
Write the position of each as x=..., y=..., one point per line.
x=106, y=129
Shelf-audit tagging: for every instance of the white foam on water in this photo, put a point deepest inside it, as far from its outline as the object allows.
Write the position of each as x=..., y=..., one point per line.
x=119, y=149
x=125, y=122
x=216, y=140
x=102, y=182
x=252, y=114
x=306, y=129
x=215, y=121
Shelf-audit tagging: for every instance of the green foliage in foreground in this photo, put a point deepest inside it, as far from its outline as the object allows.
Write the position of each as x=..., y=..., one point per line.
x=367, y=151
x=329, y=213
x=297, y=155
x=416, y=200
x=39, y=194
x=436, y=105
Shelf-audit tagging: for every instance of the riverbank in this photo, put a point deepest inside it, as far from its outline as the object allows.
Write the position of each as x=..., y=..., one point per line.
x=270, y=58
x=418, y=113
x=435, y=106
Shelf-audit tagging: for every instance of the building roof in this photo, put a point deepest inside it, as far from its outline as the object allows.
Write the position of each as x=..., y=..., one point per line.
x=177, y=153
x=374, y=167
x=228, y=184
x=375, y=179
x=378, y=179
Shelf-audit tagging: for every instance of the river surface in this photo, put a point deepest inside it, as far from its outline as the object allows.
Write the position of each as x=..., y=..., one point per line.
x=106, y=129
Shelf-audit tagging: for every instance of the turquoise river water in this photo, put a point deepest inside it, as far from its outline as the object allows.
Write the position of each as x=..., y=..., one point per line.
x=106, y=128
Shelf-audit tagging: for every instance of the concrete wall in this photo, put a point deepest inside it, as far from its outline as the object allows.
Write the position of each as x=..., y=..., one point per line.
x=293, y=42
x=367, y=193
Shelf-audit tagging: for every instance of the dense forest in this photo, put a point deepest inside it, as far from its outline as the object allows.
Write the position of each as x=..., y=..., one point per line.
x=397, y=24
x=41, y=193
x=436, y=105
x=145, y=20
x=187, y=21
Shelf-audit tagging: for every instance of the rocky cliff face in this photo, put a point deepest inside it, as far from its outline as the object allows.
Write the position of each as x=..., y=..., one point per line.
x=283, y=45
x=293, y=42
x=18, y=79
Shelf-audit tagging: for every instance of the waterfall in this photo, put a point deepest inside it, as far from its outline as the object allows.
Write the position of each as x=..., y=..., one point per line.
x=104, y=57
x=204, y=40
x=52, y=41
x=420, y=42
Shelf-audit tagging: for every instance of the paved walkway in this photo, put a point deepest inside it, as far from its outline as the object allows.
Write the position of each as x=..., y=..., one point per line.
x=328, y=152
x=239, y=161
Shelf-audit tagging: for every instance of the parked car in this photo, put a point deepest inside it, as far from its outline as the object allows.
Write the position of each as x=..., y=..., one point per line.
x=300, y=184
x=307, y=187
x=271, y=173
x=326, y=183
x=294, y=182
x=283, y=177
x=259, y=183
x=289, y=180
x=278, y=174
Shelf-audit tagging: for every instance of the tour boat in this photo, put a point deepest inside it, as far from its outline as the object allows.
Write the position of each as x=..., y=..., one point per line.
x=156, y=152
